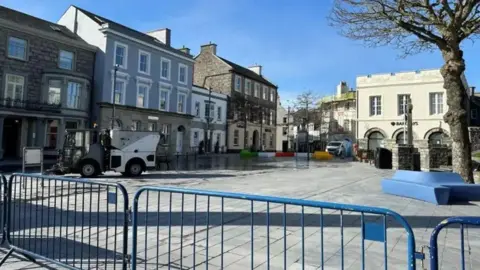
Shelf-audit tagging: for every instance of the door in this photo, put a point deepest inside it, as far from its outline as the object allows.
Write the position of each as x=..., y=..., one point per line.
x=179, y=142
x=285, y=146
x=11, y=137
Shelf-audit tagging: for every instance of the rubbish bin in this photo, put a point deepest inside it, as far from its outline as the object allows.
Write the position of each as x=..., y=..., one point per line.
x=383, y=158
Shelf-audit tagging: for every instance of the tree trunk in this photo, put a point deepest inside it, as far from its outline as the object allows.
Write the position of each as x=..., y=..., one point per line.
x=456, y=116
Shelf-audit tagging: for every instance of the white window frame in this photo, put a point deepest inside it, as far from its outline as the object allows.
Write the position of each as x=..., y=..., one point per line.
x=167, y=101
x=257, y=89
x=72, y=67
x=373, y=109
x=265, y=92
x=272, y=94
x=197, y=111
x=180, y=66
x=184, y=102
x=13, y=56
x=219, y=113
x=149, y=57
x=80, y=103
x=50, y=88
x=437, y=109
x=238, y=78
x=404, y=103
x=248, y=90
x=136, y=125
x=236, y=135
x=147, y=94
x=124, y=90
x=125, y=62
x=271, y=117
x=162, y=60
x=6, y=86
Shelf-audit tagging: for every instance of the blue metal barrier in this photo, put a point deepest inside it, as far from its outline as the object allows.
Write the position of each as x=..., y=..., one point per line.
x=463, y=222
x=73, y=223
x=194, y=230
x=3, y=207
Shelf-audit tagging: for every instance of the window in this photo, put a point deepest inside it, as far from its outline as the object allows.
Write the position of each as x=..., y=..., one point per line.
x=71, y=125
x=152, y=126
x=136, y=125
x=236, y=137
x=165, y=131
x=402, y=104
x=265, y=92
x=143, y=62
x=238, y=83
x=473, y=114
x=195, y=138
x=17, y=48
x=14, y=88
x=284, y=120
x=264, y=139
x=142, y=96
x=436, y=103
x=119, y=92
x=218, y=138
x=401, y=138
x=346, y=125
x=437, y=138
x=271, y=118
x=248, y=87
x=54, y=90
x=211, y=112
x=219, y=113
x=121, y=55
x=284, y=130
x=164, y=97
x=271, y=140
x=181, y=103
x=257, y=90
x=375, y=105
x=272, y=95
x=375, y=139
x=66, y=59
x=182, y=73
x=197, y=109
x=51, y=138
x=73, y=95
x=165, y=68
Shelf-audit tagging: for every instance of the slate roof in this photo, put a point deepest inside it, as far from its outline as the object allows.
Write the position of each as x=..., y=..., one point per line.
x=130, y=32
x=40, y=24
x=247, y=73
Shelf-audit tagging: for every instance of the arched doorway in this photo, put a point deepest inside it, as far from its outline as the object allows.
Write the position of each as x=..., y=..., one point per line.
x=179, y=144
x=401, y=138
x=437, y=138
x=375, y=139
x=117, y=124
x=255, y=139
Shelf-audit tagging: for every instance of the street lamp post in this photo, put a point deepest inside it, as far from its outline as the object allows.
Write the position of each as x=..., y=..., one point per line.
x=208, y=140
x=113, y=103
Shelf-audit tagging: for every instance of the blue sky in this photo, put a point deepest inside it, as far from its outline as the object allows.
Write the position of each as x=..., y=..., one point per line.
x=290, y=39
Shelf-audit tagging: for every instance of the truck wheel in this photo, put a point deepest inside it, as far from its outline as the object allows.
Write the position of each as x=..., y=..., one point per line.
x=134, y=169
x=88, y=169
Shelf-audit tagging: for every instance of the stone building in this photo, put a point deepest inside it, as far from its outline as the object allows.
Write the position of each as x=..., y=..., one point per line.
x=339, y=115
x=152, y=85
x=45, y=76
x=250, y=95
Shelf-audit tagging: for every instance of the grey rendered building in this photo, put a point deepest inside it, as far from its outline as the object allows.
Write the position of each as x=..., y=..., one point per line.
x=153, y=81
x=45, y=81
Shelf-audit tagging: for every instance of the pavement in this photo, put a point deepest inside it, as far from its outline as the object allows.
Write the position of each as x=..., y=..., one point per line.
x=171, y=232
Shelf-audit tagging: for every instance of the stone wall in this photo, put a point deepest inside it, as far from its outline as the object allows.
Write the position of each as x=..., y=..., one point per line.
x=403, y=157
x=440, y=156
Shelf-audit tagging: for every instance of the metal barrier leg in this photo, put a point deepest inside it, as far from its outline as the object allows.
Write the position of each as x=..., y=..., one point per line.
x=6, y=256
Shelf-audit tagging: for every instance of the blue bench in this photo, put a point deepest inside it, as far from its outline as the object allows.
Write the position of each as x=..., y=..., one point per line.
x=435, y=187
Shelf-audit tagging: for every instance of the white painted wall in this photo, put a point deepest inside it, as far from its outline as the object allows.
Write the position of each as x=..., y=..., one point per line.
x=418, y=84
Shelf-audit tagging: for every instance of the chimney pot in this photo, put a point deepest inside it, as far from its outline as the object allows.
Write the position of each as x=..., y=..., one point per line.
x=185, y=50
x=164, y=35
x=209, y=48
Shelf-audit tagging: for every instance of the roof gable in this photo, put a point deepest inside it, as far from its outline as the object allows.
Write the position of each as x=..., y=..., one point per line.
x=247, y=73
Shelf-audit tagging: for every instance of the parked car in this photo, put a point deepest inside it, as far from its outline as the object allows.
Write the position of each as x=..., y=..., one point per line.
x=334, y=148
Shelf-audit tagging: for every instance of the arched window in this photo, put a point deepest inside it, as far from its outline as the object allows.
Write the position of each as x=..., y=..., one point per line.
x=375, y=139
x=437, y=138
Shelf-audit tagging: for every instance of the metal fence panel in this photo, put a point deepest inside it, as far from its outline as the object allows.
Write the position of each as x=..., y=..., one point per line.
x=75, y=223
x=3, y=207
x=463, y=223
x=186, y=228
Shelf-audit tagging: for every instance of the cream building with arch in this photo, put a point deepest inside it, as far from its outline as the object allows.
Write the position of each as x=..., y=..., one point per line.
x=381, y=99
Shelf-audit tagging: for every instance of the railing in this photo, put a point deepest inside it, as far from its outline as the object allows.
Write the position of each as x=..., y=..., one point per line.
x=73, y=223
x=464, y=222
x=3, y=207
x=187, y=228
x=29, y=105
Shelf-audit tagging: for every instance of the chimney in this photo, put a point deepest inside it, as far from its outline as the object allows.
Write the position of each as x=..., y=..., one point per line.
x=209, y=48
x=257, y=69
x=185, y=50
x=161, y=34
